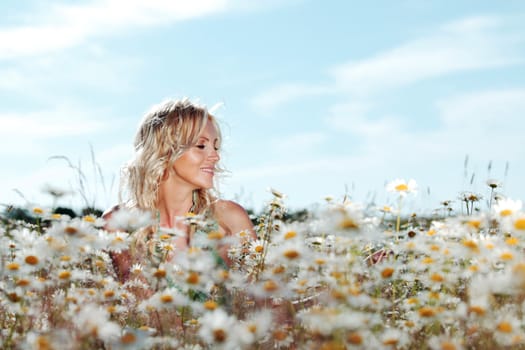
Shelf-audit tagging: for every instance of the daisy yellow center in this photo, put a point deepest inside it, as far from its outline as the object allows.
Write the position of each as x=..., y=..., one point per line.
x=505, y=327
x=505, y=212
x=290, y=234
x=43, y=343
x=160, y=273
x=506, y=256
x=219, y=335
x=64, y=275
x=109, y=294
x=210, y=305
x=128, y=338
x=478, y=310
x=427, y=311
x=348, y=223
x=412, y=301
x=215, y=235
x=270, y=286
x=436, y=277
x=259, y=248
x=470, y=244
x=519, y=224
x=433, y=295
x=392, y=341
x=355, y=338
x=252, y=328
x=336, y=274
x=71, y=300
x=337, y=294
x=401, y=187
x=428, y=260
x=332, y=345
x=512, y=241
x=279, y=269
x=411, y=245
x=38, y=211
x=23, y=282
x=70, y=230
x=89, y=218
x=448, y=346
x=291, y=254
x=193, y=278
x=224, y=274
x=434, y=247
x=13, y=266
x=474, y=224
x=387, y=272
x=279, y=335
x=354, y=291
x=166, y=298
x=15, y=298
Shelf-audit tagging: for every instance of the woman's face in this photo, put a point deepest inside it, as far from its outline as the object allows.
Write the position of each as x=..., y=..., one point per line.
x=195, y=168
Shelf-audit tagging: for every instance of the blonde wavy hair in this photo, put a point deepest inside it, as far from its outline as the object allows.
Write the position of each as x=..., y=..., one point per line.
x=165, y=132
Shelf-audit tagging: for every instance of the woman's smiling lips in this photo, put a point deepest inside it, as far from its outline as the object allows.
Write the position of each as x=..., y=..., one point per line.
x=209, y=170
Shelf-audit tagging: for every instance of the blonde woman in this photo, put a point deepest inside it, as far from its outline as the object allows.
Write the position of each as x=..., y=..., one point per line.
x=172, y=175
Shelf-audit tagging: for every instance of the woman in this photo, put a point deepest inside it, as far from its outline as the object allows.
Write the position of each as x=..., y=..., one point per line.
x=172, y=176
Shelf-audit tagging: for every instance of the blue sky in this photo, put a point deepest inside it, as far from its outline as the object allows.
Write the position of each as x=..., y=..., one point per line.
x=318, y=97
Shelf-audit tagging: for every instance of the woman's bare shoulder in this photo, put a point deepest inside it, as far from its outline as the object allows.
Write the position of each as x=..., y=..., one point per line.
x=228, y=207
x=232, y=216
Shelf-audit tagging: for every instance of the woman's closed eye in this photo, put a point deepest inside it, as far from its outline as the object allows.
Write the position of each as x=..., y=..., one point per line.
x=202, y=146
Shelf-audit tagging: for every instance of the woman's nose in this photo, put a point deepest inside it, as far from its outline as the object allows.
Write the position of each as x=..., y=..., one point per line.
x=215, y=155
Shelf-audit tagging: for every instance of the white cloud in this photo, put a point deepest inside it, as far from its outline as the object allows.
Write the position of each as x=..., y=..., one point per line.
x=464, y=45
x=64, y=26
x=494, y=109
x=354, y=117
x=472, y=43
x=90, y=68
x=298, y=143
x=49, y=124
x=485, y=125
x=286, y=92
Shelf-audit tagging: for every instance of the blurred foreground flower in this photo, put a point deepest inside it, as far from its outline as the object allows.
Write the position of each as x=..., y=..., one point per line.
x=402, y=186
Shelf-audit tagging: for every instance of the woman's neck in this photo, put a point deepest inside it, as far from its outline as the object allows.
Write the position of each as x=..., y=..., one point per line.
x=173, y=204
